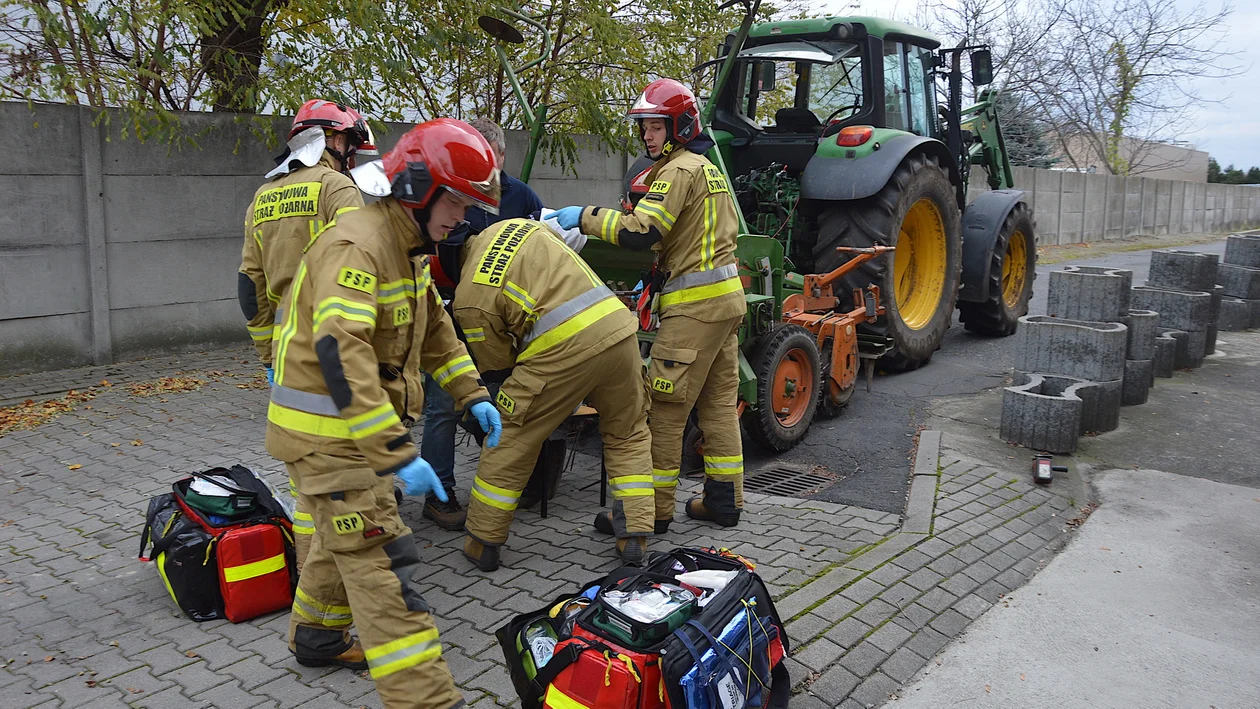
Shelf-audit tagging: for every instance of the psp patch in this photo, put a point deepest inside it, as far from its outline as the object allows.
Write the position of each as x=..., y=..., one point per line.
x=356, y=279
x=663, y=385
x=402, y=315
x=498, y=257
x=505, y=402
x=661, y=186
x=351, y=523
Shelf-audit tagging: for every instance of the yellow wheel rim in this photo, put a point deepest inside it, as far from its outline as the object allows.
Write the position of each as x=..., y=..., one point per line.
x=1014, y=270
x=919, y=264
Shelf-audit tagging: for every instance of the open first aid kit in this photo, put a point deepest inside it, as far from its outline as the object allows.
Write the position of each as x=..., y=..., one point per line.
x=223, y=545
x=694, y=628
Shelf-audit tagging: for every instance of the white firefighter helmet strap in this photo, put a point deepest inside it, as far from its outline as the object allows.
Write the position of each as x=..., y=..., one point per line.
x=306, y=147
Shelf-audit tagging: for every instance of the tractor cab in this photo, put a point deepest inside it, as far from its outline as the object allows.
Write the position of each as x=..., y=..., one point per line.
x=799, y=81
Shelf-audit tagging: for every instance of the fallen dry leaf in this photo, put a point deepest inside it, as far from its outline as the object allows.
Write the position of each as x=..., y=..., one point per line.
x=190, y=653
x=1021, y=676
x=938, y=660
x=31, y=413
x=50, y=658
x=986, y=689
x=106, y=383
x=1105, y=548
x=76, y=466
x=165, y=385
x=137, y=442
x=133, y=690
x=115, y=444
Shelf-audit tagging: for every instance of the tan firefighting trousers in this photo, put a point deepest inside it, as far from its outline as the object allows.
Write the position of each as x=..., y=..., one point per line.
x=359, y=570
x=533, y=402
x=696, y=364
x=303, y=526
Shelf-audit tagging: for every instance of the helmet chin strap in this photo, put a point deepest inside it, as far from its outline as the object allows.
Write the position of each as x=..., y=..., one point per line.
x=343, y=159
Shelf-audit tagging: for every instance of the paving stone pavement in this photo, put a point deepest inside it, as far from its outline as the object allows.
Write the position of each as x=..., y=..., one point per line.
x=87, y=625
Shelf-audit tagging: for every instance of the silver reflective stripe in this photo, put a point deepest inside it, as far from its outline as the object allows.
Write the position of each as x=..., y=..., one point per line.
x=320, y=614
x=729, y=466
x=278, y=318
x=364, y=425
x=567, y=310
x=321, y=404
x=496, y=496
x=395, y=656
x=629, y=486
x=701, y=278
x=408, y=287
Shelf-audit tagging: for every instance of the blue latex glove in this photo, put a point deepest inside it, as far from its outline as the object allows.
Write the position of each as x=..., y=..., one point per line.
x=418, y=479
x=271, y=376
x=488, y=418
x=568, y=217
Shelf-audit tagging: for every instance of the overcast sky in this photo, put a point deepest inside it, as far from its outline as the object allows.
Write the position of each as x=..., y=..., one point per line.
x=1229, y=131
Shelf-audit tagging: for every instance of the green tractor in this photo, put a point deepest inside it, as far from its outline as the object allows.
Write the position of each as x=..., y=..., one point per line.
x=830, y=134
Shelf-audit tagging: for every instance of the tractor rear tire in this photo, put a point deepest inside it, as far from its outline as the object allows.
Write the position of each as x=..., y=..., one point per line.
x=917, y=213
x=786, y=365
x=1011, y=274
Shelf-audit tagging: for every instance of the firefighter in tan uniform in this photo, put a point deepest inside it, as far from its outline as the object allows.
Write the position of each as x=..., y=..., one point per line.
x=528, y=303
x=364, y=319
x=306, y=190
x=688, y=217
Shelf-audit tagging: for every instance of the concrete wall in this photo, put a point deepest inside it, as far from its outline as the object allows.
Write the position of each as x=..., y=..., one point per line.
x=112, y=249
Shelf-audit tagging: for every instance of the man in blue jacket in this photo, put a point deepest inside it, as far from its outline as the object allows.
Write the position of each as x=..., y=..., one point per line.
x=440, y=420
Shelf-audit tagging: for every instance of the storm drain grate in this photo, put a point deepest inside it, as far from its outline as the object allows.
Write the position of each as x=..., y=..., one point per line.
x=787, y=481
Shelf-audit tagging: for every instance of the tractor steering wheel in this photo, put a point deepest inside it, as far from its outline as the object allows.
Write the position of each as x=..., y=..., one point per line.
x=836, y=112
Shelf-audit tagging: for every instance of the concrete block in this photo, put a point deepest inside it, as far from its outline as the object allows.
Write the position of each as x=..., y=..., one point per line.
x=44, y=280
x=1218, y=292
x=1236, y=314
x=1239, y=281
x=1089, y=293
x=1138, y=376
x=172, y=207
x=1093, y=351
x=1243, y=250
x=1180, y=310
x=1182, y=270
x=162, y=272
x=1143, y=327
x=1196, y=349
x=1100, y=410
x=1043, y=412
x=52, y=127
x=139, y=332
x=1176, y=352
x=37, y=344
x=41, y=210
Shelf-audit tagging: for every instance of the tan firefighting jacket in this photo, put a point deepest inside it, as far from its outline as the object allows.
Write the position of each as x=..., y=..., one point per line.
x=284, y=216
x=688, y=217
x=361, y=320
x=524, y=296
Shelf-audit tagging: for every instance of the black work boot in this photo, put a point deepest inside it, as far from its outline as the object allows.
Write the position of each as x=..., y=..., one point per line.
x=352, y=658
x=632, y=550
x=484, y=556
x=696, y=509
x=449, y=515
x=604, y=524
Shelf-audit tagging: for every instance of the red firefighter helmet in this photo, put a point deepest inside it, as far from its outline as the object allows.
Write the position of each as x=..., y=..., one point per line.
x=671, y=100
x=321, y=113
x=443, y=153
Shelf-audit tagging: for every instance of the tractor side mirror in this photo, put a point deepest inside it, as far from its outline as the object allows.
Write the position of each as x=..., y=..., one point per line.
x=982, y=67
x=767, y=76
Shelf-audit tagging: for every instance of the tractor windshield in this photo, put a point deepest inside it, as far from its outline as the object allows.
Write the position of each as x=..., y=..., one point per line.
x=799, y=86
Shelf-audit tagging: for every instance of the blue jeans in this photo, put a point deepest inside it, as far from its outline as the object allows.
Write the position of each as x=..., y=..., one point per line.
x=440, y=422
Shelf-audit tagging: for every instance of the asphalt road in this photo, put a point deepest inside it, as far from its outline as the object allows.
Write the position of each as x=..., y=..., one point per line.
x=868, y=446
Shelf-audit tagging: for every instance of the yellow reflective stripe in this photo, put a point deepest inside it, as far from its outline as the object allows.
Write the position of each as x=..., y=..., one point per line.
x=342, y=211
x=571, y=327
x=261, y=333
x=631, y=486
x=310, y=424
x=520, y=296
x=665, y=477
x=498, y=497
x=454, y=368
x=396, y=291
x=655, y=210
x=712, y=290
x=161, y=564
x=244, y=572
x=608, y=232
x=402, y=653
x=475, y=334
x=345, y=309
x=555, y=699
x=289, y=328
x=316, y=612
x=373, y=422
x=724, y=459
x=708, y=242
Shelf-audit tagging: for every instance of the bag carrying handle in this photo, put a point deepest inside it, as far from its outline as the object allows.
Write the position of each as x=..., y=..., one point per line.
x=230, y=486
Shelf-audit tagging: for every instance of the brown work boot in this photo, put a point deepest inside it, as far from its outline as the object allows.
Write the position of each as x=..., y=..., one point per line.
x=632, y=550
x=697, y=510
x=449, y=515
x=352, y=659
x=485, y=557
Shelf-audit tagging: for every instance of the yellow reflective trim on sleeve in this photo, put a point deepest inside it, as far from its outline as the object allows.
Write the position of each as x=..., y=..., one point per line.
x=655, y=210
x=289, y=328
x=345, y=309
x=261, y=333
x=571, y=327
x=244, y=572
x=712, y=290
x=608, y=232
x=475, y=334
x=373, y=422
x=454, y=368
x=395, y=291
x=555, y=699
